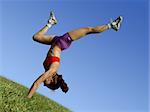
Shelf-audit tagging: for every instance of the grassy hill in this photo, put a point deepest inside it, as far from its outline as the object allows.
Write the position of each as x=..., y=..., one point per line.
x=13, y=99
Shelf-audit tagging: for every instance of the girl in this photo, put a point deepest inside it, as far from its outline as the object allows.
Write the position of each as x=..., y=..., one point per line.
x=59, y=43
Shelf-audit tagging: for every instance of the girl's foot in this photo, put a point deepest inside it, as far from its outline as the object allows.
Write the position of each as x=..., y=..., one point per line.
x=52, y=20
x=116, y=23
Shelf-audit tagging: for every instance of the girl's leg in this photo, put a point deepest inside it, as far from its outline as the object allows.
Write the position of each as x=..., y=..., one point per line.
x=40, y=35
x=79, y=33
x=50, y=73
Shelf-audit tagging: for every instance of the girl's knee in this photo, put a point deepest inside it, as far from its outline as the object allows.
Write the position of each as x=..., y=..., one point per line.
x=89, y=30
x=37, y=37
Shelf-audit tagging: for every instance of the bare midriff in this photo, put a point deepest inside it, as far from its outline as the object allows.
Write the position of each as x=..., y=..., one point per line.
x=54, y=51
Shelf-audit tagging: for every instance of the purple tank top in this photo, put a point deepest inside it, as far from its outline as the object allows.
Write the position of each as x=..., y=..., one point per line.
x=62, y=41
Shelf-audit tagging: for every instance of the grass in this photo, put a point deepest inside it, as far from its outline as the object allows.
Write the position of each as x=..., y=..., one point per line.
x=13, y=99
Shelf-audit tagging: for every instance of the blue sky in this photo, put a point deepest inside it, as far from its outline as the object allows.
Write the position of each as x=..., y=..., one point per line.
x=106, y=72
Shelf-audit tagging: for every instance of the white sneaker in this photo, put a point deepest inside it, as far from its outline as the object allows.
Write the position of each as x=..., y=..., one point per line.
x=52, y=20
x=116, y=23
